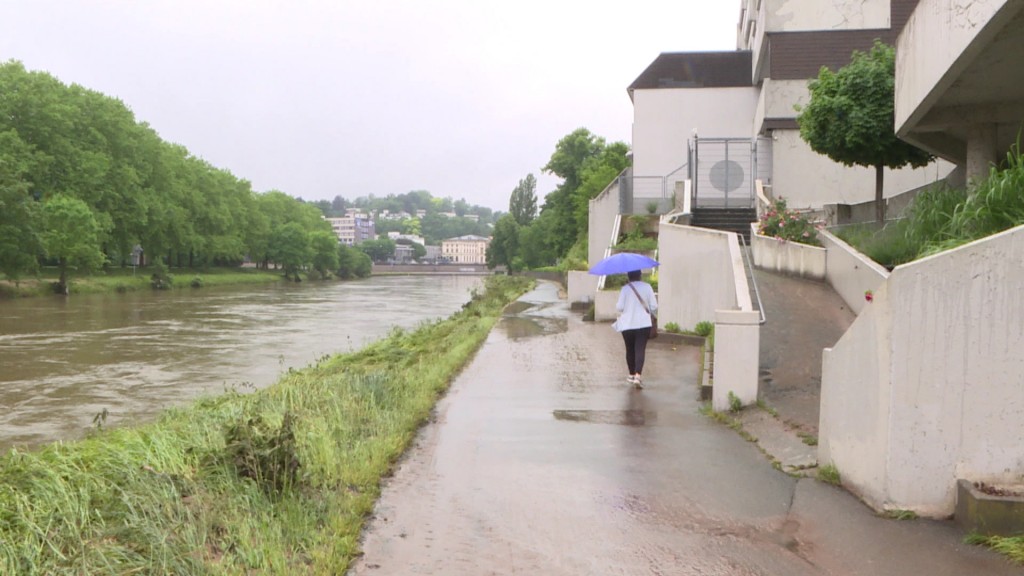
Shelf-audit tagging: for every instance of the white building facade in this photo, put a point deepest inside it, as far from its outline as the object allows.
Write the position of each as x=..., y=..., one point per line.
x=353, y=229
x=755, y=92
x=469, y=249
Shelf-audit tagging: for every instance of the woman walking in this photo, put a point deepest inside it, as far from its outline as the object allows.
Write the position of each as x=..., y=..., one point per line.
x=636, y=304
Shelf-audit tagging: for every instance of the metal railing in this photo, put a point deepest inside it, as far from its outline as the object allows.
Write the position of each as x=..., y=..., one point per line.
x=745, y=248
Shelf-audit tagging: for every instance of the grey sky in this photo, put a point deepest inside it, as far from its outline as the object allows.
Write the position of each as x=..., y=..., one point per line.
x=318, y=98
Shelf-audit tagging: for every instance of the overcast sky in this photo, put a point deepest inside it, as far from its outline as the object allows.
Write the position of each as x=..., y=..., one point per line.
x=319, y=98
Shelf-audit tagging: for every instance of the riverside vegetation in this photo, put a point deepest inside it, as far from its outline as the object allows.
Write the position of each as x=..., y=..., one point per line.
x=278, y=481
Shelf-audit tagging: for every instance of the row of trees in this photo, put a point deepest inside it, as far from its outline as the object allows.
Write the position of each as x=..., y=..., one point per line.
x=82, y=183
x=409, y=202
x=524, y=239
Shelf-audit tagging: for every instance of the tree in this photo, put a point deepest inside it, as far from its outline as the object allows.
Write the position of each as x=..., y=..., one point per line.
x=850, y=117
x=353, y=263
x=504, y=246
x=325, y=251
x=289, y=247
x=379, y=250
x=522, y=205
x=569, y=161
x=71, y=236
x=20, y=244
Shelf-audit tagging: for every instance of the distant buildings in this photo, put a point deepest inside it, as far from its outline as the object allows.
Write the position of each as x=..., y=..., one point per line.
x=467, y=249
x=353, y=228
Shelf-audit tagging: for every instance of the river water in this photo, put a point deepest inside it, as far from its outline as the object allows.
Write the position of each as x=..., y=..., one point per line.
x=63, y=361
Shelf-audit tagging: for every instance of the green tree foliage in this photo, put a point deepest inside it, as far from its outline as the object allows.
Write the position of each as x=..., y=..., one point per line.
x=850, y=117
x=290, y=247
x=324, y=245
x=586, y=165
x=523, y=203
x=504, y=246
x=71, y=236
x=19, y=225
x=353, y=263
x=380, y=250
x=67, y=140
x=595, y=175
x=537, y=245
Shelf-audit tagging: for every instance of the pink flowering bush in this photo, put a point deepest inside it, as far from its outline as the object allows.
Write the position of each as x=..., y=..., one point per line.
x=785, y=224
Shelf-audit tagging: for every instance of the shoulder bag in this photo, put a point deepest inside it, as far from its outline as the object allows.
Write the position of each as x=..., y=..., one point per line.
x=654, y=319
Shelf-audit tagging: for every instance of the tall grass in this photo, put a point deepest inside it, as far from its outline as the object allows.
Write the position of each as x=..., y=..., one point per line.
x=996, y=204
x=274, y=482
x=942, y=218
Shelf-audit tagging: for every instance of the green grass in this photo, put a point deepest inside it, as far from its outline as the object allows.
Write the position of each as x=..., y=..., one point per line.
x=829, y=474
x=122, y=280
x=942, y=218
x=1010, y=546
x=278, y=481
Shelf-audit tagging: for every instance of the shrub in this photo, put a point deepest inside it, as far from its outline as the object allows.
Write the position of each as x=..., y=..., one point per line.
x=785, y=224
x=704, y=328
x=161, y=278
x=672, y=327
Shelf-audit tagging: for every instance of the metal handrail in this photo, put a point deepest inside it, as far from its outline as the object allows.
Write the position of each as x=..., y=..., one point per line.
x=750, y=269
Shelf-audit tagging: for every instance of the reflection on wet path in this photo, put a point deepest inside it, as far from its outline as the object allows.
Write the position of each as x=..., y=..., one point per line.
x=64, y=360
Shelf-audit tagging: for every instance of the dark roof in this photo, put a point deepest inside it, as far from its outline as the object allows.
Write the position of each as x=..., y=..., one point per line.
x=696, y=70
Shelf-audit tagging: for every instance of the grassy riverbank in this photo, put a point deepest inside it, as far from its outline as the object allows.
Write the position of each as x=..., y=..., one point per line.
x=124, y=280
x=274, y=482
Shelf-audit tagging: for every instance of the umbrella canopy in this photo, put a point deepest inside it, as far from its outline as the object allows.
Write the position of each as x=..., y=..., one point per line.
x=621, y=263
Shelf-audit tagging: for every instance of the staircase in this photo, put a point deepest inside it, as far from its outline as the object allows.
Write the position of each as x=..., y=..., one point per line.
x=728, y=219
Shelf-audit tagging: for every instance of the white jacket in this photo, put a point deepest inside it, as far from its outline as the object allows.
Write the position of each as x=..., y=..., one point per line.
x=631, y=313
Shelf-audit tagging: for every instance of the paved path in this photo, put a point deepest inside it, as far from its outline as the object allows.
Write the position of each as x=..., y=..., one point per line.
x=543, y=461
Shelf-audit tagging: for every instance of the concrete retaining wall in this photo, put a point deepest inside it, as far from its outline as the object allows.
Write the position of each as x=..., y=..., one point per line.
x=925, y=387
x=787, y=257
x=696, y=275
x=851, y=273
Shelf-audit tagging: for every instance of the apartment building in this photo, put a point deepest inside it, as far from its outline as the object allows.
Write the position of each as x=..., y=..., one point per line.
x=353, y=228
x=725, y=119
x=469, y=249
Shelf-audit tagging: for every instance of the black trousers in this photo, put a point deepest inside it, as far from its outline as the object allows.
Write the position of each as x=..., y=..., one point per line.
x=636, y=348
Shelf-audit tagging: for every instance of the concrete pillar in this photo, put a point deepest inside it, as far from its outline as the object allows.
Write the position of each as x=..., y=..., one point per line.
x=737, y=357
x=981, y=151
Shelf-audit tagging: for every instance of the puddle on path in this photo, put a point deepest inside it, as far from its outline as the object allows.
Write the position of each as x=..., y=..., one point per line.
x=517, y=327
x=621, y=417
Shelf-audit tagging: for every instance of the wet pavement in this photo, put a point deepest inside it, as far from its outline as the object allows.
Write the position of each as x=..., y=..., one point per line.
x=543, y=460
x=803, y=317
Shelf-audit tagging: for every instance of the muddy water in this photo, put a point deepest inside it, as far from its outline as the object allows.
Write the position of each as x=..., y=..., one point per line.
x=64, y=361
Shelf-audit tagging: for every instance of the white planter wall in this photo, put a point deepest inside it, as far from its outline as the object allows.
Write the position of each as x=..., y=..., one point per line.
x=791, y=258
x=938, y=359
x=696, y=275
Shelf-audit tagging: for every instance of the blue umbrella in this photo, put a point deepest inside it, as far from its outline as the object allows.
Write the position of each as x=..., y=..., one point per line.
x=622, y=263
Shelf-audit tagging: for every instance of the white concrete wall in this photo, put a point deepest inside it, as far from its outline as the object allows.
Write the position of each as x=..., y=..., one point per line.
x=664, y=120
x=582, y=286
x=602, y=213
x=807, y=179
x=802, y=15
x=932, y=50
x=851, y=273
x=791, y=258
x=696, y=275
x=937, y=355
x=854, y=416
x=778, y=99
x=737, y=346
x=604, y=306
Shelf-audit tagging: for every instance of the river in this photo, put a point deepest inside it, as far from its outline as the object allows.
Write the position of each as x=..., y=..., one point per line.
x=63, y=361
